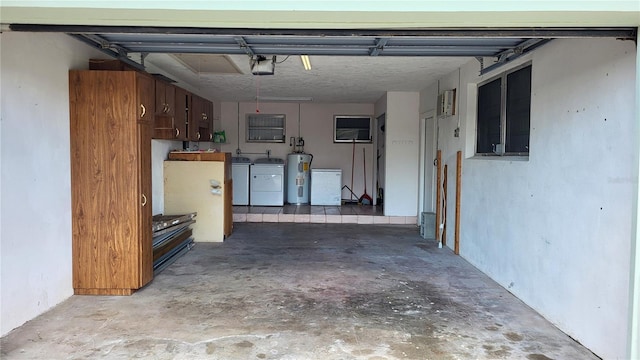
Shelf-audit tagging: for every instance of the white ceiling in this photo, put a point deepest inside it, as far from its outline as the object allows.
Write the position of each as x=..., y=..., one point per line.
x=332, y=79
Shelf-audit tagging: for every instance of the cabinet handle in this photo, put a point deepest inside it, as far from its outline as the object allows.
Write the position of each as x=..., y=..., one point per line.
x=177, y=132
x=198, y=135
x=165, y=108
x=144, y=200
x=168, y=108
x=144, y=110
x=210, y=136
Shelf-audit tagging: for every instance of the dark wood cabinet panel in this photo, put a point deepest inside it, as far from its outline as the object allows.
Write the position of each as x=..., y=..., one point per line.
x=165, y=98
x=165, y=104
x=201, y=119
x=182, y=103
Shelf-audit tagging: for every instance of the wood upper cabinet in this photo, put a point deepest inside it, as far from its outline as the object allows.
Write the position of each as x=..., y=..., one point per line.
x=195, y=117
x=208, y=119
x=182, y=104
x=201, y=119
x=111, y=123
x=165, y=126
x=165, y=98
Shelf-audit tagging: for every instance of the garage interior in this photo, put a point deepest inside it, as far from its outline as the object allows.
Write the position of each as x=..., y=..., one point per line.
x=532, y=277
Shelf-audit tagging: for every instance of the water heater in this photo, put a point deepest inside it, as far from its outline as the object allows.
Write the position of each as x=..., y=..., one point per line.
x=298, y=166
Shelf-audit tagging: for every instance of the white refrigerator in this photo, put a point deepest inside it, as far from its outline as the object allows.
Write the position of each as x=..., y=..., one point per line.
x=326, y=187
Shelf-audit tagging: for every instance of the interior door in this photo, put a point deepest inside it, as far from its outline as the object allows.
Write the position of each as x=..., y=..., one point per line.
x=430, y=148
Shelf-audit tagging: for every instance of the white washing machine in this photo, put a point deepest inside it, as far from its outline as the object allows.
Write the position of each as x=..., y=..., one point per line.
x=267, y=182
x=240, y=176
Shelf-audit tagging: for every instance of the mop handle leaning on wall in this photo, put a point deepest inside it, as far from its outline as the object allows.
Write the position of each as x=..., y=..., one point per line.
x=443, y=219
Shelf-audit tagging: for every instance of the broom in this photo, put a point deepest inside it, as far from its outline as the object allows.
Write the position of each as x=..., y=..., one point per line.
x=365, y=199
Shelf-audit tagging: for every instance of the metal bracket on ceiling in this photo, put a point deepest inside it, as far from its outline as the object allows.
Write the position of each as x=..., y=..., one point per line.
x=504, y=56
x=481, y=61
x=244, y=46
x=103, y=44
x=142, y=57
x=515, y=52
x=98, y=40
x=380, y=43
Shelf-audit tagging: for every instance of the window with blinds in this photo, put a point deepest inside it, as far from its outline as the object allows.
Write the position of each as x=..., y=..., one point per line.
x=266, y=128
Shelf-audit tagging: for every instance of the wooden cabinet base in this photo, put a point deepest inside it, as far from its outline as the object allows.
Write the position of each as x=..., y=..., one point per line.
x=118, y=292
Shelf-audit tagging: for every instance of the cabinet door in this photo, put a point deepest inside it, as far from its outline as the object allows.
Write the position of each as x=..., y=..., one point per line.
x=145, y=85
x=164, y=121
x=146, y=98
x=165, y=98
x=145, y=232
x=195, y=117
x=105, y=173
x=207, y=121
x=182, y=112
x=202, y=116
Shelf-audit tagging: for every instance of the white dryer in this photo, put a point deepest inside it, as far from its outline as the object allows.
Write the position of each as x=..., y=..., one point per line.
x=267, y=182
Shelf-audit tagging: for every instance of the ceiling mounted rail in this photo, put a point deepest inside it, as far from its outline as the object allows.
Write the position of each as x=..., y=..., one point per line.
x=380, y=43
x=624, y=33
x=304, y=45
x=503, y=44
x=243, y=45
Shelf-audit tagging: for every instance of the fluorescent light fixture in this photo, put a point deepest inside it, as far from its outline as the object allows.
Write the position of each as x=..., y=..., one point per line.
x=305, y=62
x=284, y=98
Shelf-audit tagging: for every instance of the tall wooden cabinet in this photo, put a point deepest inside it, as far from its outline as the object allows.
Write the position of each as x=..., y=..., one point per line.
x=111, y=128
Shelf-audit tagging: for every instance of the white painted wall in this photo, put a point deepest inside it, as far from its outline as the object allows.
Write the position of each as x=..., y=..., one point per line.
x=556, y=230
x=35, y=243
x=634, y=333
x=159, y=153
x=316, y=127
x=402, y=153
x=35, y=182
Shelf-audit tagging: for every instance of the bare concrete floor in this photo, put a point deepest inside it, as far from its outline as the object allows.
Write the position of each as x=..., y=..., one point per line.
x=302, y=291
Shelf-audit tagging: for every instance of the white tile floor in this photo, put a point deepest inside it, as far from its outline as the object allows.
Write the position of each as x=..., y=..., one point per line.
x=345, y=214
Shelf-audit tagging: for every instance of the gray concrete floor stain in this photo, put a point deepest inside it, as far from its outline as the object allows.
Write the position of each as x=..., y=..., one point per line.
x=302, y=291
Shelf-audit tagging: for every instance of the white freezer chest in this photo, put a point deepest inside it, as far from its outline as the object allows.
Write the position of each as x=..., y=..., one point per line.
x=326, y=187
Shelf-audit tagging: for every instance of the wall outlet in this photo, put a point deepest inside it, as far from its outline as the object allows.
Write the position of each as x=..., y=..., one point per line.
x=456, y=132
